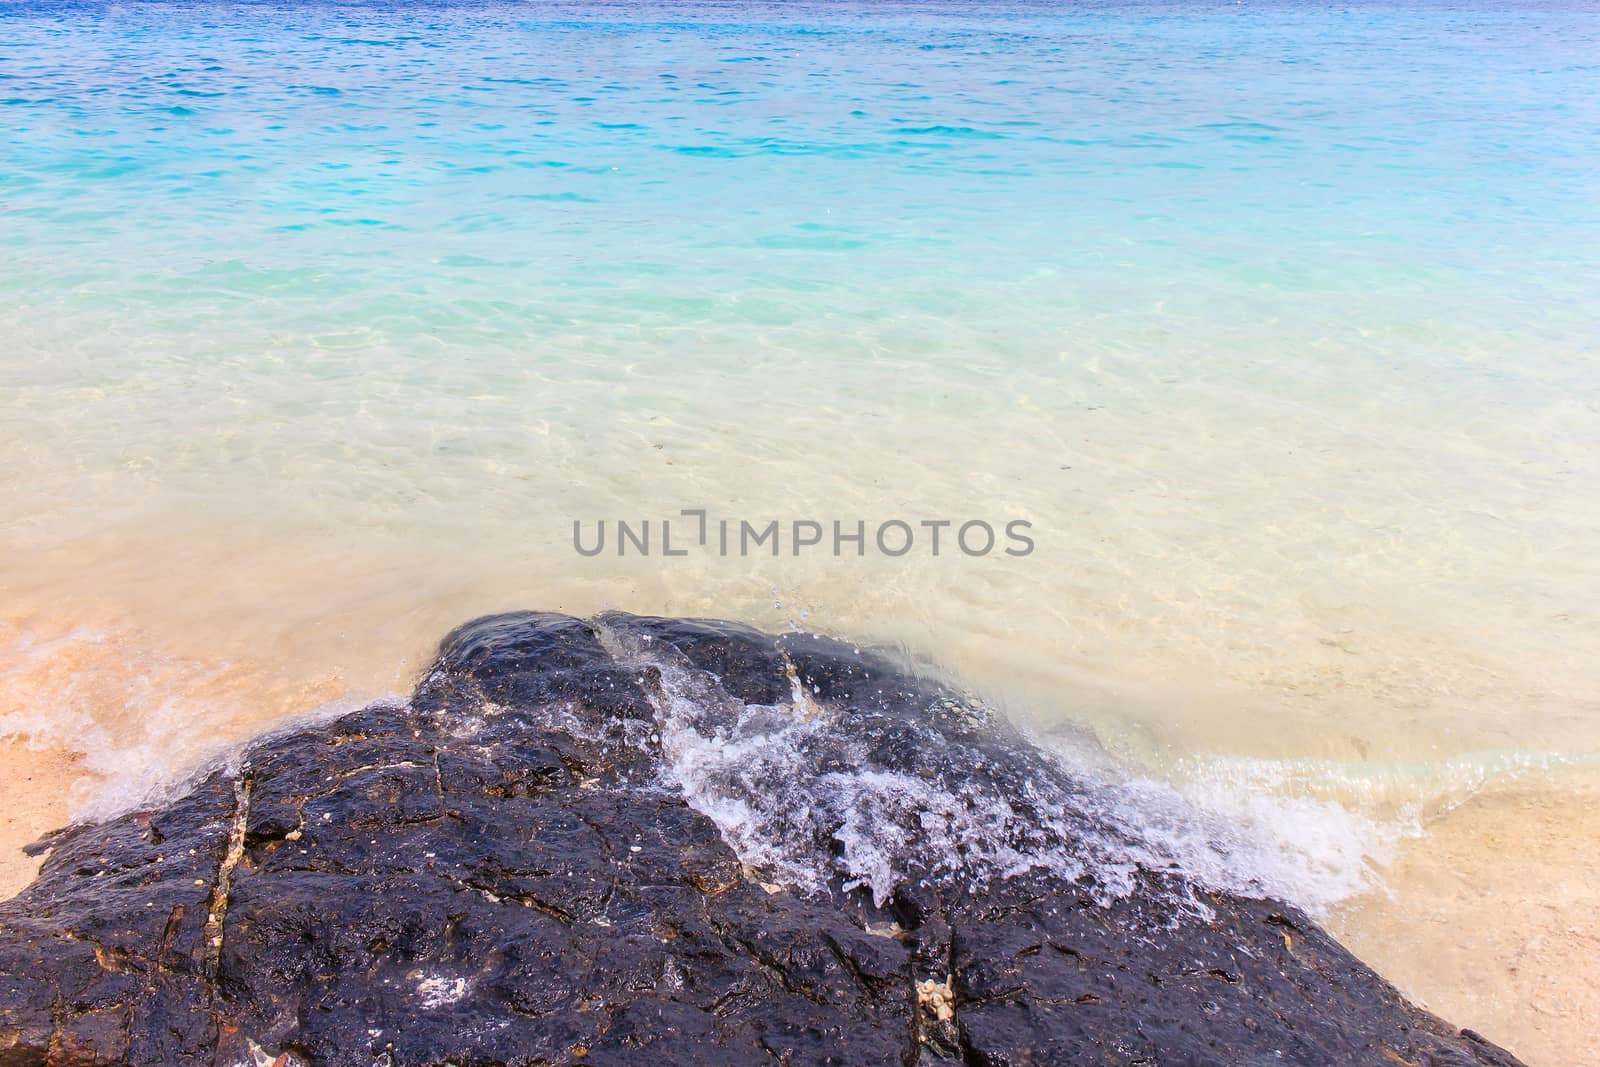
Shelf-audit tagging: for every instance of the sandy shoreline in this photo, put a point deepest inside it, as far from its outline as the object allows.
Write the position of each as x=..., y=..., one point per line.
x=1489, y=920
x=1494, y=919
x=35, y=784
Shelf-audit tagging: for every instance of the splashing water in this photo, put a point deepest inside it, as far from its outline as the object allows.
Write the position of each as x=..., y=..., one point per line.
x=822, y=795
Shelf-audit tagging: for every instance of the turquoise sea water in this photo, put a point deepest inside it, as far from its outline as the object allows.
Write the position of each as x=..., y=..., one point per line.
x=321, y=323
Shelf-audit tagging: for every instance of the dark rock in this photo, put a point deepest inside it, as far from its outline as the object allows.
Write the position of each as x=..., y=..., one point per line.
x=519, y=867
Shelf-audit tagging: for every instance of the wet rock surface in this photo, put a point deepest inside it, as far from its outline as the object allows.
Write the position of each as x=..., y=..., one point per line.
x=538, y=861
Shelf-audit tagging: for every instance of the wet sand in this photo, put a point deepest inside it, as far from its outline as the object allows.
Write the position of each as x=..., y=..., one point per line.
x=1493, y=920
x=34, y=786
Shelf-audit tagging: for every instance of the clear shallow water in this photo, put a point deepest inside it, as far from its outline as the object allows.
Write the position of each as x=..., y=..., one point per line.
x=320, y=324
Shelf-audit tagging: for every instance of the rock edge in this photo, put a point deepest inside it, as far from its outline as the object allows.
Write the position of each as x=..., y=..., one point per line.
x=495, y=873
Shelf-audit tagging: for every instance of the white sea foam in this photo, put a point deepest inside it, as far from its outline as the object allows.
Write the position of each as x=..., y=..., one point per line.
x=801, y=798
x=145, y=725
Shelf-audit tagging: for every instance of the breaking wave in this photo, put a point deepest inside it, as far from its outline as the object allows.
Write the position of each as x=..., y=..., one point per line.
x=822, y=795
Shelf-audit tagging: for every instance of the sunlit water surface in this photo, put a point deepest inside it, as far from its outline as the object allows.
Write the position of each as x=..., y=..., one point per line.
x=321, y=324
